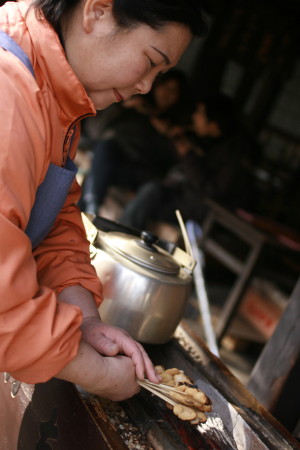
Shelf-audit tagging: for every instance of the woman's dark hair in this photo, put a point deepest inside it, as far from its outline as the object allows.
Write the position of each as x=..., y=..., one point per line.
x=128, y=13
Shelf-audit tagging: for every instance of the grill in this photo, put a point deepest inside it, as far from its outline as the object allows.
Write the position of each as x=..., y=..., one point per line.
x=237, y=421
x=58, y=415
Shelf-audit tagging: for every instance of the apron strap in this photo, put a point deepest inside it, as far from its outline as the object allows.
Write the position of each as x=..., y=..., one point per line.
x=53, y=191
x=10, y=45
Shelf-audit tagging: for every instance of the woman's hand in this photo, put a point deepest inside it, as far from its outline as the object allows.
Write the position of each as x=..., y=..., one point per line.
x=110, y=341
x=120, y=382
x=106, y=339
x=109, y=377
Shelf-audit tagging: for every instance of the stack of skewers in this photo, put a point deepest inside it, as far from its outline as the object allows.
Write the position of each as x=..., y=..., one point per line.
x=180, y=394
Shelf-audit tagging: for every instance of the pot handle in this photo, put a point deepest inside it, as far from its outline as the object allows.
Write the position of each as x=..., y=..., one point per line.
x=184, y=259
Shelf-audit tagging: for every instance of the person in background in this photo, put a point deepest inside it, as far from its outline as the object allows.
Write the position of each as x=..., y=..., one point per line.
x=60, y=62
x=214, y=161
x=133, y=143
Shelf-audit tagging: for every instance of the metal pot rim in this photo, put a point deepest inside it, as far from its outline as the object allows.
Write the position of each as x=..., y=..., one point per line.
x=136, y=250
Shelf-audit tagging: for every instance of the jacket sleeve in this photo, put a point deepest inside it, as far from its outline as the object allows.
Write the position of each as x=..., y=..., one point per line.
x=38, y=335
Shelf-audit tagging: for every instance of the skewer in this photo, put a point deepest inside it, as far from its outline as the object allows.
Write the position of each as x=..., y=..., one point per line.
x=184, y=409
x=168, y=391
x=164, y=387
x=157, y=392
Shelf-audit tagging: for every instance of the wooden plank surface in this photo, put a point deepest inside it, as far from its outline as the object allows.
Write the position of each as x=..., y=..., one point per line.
x=237, y=421
x=59, y=416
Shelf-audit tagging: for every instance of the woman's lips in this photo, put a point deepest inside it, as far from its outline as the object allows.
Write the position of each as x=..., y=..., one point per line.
x=118, y=95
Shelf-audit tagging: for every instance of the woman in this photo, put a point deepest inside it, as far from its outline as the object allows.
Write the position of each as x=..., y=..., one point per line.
x=61, y=61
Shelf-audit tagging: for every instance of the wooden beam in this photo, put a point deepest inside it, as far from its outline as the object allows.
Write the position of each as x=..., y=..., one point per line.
x=273, y=376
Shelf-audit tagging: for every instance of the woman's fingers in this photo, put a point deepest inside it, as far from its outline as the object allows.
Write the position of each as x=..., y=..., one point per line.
x=133, y=349
x=110, y=341
x=149, y=370
x=140, y=358
x=92, y=334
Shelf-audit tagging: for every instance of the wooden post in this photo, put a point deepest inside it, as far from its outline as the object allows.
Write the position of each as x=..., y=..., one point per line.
x=274, y=380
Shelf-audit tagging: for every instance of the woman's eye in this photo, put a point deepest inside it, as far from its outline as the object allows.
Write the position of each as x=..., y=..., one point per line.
x=152, y=63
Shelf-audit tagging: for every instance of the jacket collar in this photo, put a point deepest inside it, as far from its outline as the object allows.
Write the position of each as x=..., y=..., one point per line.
x=50, y=63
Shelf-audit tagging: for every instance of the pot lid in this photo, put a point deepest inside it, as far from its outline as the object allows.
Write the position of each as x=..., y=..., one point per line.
x=142, y=251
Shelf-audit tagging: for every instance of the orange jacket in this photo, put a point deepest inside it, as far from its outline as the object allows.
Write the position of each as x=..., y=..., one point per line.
x=38, y=334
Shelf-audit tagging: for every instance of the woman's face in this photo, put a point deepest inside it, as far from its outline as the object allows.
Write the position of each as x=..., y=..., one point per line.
x=112, y=63
x=166, y=94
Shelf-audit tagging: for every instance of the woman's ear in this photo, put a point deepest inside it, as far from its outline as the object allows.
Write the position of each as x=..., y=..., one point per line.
x=93, y=11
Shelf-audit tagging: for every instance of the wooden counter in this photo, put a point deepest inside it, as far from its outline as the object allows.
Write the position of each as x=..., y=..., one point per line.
x=59, y=416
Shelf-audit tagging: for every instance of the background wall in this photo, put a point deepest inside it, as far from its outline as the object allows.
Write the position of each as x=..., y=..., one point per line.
x=252, y=54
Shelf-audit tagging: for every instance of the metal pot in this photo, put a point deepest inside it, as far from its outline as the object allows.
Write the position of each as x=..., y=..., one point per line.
x=145, y=287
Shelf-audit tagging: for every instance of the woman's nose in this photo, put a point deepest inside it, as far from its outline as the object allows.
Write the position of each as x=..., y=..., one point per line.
x=144, y=86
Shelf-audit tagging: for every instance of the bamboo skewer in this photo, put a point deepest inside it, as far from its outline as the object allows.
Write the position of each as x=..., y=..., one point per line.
x=186, y=406
x=164, y=387
x=165, y=392
x=157, y=392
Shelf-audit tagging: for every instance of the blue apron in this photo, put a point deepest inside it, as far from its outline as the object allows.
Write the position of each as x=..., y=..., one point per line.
x=53, y=191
